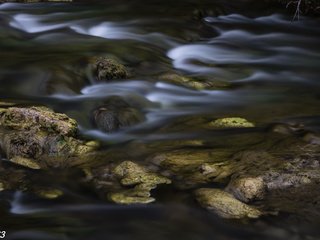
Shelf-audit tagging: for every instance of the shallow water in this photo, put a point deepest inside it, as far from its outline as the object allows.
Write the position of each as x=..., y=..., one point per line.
x=271, y=63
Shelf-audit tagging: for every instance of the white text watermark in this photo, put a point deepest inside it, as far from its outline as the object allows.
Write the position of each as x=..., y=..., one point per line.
x=2, y=234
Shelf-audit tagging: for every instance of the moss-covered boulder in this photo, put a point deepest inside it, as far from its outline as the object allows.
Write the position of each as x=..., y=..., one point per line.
x=37, y=119
x=37, y=137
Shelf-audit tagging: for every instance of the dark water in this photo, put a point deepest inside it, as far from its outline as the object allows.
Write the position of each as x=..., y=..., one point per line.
x=272, y=64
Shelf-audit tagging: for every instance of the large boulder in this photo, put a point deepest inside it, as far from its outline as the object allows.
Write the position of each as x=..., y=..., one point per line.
x=37, y=137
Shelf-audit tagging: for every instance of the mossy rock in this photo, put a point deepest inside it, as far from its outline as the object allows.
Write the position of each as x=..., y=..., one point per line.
x=141, y=181
x=186, y=161
x=193, y=82
x=128, y=197
x=232, y=122
x=106, y=69
x=48, y=193
x=37, y=118
x=37, y=137
x=225, y=205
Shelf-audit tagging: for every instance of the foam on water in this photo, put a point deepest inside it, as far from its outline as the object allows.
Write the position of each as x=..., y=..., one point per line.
x=108, y=30
x=237, y=45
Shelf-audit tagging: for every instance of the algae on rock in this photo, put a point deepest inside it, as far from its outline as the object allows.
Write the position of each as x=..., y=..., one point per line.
x=37, y=137
x=193, y=82
x=224, y=204
x=141, y=181
x=106, y=69
x=232, y=122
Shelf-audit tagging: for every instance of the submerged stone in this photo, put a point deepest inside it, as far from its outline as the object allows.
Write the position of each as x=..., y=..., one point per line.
x=141, y=181
x=13, y=179
x=186, y=161
x=234, y=122
x=116, y=114
x=224, y=204
x=49, y=193
x=131, y=173
x=194, y=83
x=280, y=178
x=130, y=197
x=26, y=162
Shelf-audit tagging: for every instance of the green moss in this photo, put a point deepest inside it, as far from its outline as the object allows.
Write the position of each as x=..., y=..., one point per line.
x=233, y=122
x=48, y=193
x=129, y=197
x=132, y=174
x=224, y=204
x=38, y=118
x=105, y=69
x=2, y=187
x=194, y=83
x=26, y=162
x=141, y=181
x=37, y=137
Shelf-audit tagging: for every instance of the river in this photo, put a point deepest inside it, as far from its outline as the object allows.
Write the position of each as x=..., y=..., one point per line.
x=270, y=63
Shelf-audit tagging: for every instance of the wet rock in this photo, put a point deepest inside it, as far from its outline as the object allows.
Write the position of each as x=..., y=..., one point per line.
x=116, y=114
x=224, y=204
x=201, y=13
x=141, y=181
x=13, y=179
x=48, y=193
x=131, y=173
x=37, y=137
x=180, y=161
x=106, y=69
x=287, y=128
x=194, y=83
x=271, y=168
x=234, y=122
x=258, y=175
x=311, y=138
x=37, y=118
x=26, y=162
x=193, y=167
x=247, y=189
x=130, y=197
x=6, y=104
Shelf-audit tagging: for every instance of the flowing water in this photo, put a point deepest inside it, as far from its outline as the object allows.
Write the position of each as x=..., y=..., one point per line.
x=271, y=63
